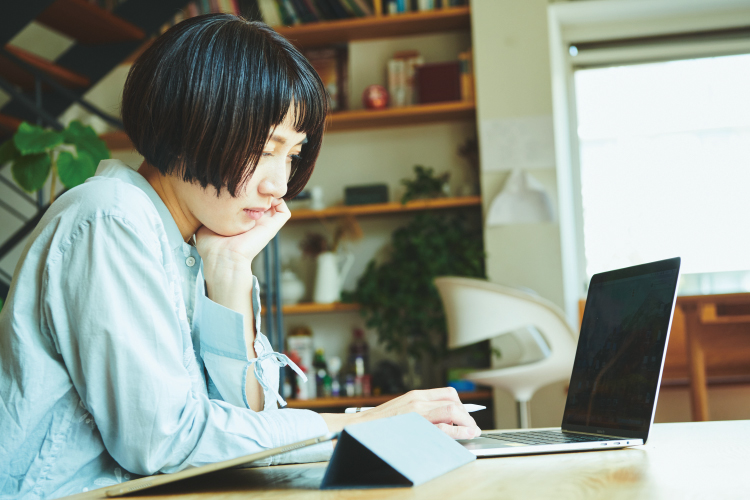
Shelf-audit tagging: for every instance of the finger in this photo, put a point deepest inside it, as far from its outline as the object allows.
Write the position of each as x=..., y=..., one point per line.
x=440, y=394
x=451, y=413
x=458, y=431
x=281, y=208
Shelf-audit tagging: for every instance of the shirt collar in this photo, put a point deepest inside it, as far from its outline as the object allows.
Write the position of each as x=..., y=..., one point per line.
x=116, y=169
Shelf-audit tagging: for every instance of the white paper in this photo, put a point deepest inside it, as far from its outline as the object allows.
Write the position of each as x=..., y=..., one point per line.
x=527, y=142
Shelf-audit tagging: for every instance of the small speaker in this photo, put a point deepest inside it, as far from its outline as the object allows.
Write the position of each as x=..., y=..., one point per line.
x=366, y=195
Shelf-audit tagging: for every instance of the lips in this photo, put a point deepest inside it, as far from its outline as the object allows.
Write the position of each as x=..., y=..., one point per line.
x=254, y=213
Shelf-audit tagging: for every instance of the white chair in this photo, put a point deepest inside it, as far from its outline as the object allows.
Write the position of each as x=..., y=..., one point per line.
x=536, y=342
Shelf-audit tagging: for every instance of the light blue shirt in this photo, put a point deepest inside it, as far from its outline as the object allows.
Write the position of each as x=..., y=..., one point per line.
x=114, y=363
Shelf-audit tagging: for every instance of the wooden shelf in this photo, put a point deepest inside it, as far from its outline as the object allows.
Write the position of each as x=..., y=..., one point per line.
x=371, y=401
x=396, y=117
x=387, y=208
x=88, y=23
x=313, y=308
x=365, y=119
x=19, y=76
x=373, y=27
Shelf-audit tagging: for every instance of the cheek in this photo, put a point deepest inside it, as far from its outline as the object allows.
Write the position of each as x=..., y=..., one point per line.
x=224, y=216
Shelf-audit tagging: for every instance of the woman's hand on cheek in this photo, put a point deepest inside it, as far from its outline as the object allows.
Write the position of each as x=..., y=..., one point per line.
x=229, y=257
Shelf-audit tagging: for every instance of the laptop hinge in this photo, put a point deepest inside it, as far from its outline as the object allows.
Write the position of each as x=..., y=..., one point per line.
x=596, y=434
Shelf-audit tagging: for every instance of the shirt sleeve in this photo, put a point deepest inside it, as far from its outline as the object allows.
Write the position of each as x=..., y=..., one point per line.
x=118, y=332
x=225, y=354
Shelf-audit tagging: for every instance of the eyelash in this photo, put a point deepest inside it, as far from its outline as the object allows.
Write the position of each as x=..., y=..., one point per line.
x=293, y=157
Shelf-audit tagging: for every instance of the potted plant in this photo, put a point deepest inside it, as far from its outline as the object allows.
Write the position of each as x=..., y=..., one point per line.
x=425, y=185
x=398, y=297
x=72, y=154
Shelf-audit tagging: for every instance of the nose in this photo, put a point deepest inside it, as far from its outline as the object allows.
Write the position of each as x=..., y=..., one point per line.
x=274, y=182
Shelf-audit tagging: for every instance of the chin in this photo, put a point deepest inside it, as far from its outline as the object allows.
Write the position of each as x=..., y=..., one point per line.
x=228, y=230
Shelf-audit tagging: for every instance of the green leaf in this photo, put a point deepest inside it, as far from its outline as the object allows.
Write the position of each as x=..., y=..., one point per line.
x=31, y=171
x=74, y=171
x=30, y=139
x=8, y=152
x=85, y=140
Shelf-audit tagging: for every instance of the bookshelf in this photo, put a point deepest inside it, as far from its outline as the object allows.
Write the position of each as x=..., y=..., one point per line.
x=386, y=208
x=371, y=210
x=363, y=119
x=396, y=117
x=344, y=402
x=374, y=27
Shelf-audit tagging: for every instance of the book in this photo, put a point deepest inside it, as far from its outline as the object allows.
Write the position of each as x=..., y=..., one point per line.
x=331, y=64
x=288, y=15
x=439, y=82
x=396, y=82
x=467, y=75
x=364, y=7
x=401, y=80
x=325, y=9
x=314, y=9
x=338, y=7
x=353, y=8
x=305, y=15
x=269, y=12
x=249, y=9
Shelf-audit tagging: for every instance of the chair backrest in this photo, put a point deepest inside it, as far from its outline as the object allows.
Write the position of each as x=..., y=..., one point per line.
x=478, y=310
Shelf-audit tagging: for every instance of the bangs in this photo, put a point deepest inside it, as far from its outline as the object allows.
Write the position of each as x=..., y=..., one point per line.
x=202, y=100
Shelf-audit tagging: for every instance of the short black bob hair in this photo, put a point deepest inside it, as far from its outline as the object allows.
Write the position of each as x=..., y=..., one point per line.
x=201, y=100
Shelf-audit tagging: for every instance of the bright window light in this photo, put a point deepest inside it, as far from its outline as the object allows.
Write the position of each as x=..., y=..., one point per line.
x=665, y=163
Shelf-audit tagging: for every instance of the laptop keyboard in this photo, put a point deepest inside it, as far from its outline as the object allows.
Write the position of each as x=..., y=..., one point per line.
x=544, y=437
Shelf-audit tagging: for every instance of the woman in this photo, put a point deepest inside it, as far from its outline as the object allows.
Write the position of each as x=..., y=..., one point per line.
x=130, y=342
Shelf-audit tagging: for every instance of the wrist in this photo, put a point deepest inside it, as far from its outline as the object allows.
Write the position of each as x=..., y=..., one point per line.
x=337, y=421
x=228, y=274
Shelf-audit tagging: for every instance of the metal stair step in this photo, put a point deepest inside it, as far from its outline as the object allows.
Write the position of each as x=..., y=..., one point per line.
x=89, y=24
x=8, y=124
x=17, y=75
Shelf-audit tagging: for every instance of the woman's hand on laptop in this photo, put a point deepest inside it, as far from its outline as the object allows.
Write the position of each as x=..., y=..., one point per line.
x=441, y=407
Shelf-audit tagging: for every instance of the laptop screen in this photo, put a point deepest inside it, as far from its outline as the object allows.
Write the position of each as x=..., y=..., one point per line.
x=621, y=348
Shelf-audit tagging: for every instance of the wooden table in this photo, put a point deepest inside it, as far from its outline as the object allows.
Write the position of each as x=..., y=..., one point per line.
x=717, y=336
x=680, y=461
x=709, y=344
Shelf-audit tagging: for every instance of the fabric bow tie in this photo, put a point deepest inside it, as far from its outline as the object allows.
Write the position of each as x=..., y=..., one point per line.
x=281, y=360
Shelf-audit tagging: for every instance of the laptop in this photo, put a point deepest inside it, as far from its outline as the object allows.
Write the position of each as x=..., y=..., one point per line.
x=617, y=368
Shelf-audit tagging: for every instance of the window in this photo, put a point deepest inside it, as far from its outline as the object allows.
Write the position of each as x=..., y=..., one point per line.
x=665, y=165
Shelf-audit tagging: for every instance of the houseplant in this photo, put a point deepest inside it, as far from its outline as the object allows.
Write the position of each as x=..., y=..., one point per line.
x=398, y=297
x=72, y=154
x=425, y=185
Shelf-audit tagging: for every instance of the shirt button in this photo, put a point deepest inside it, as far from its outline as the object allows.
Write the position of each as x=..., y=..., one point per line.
x=190, y=261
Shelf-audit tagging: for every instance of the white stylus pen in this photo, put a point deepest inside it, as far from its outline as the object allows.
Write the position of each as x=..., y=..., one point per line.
x=468, y=407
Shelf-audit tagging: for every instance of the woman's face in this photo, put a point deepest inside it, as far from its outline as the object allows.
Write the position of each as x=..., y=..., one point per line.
x=228, y=216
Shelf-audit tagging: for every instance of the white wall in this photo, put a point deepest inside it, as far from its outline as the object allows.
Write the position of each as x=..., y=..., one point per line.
x=512, y=67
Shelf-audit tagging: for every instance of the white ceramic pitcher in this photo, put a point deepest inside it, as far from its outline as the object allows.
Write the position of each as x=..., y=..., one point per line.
x=329, y=277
